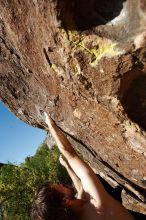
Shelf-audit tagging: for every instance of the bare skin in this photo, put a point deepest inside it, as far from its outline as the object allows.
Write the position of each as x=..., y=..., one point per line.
x=97, y=203
x=73, y=176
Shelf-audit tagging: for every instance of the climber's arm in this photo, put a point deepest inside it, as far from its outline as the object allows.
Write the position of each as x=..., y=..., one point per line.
x=89, y=180
x=90, y=183
x=73, y=176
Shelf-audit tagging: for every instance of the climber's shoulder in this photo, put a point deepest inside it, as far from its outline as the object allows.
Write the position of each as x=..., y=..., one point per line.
x=111, y=210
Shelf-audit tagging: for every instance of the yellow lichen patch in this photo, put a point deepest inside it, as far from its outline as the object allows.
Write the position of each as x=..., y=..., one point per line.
x=99, y=48
x=64, y=34
x=83, y=47
x=54, y=67
x=95, y=46
x=106, y=49
x=71, y=37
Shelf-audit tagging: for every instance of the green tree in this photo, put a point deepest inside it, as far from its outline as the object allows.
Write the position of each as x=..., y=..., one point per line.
x=18, y=183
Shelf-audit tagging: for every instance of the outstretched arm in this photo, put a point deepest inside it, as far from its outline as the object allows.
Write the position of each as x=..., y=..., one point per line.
x=89, y=180
x=90, y=183
x=73, y=176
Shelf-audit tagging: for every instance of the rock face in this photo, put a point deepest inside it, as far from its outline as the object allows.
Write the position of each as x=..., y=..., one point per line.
x=84, y=62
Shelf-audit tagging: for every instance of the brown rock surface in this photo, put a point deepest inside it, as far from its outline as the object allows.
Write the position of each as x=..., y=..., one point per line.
x=84, y=62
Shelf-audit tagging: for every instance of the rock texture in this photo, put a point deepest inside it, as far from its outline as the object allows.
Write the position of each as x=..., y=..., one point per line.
x=84, y=62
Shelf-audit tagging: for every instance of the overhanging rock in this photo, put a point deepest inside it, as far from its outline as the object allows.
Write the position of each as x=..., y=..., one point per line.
x=84, y=62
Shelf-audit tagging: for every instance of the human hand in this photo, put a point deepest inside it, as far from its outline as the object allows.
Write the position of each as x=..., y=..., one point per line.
x=49, y=121
x=62, y=161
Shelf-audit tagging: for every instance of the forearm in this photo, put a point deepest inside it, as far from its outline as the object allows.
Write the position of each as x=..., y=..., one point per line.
x=63, y=144
x=67, y=150
x=88, y=178
x=75, y=179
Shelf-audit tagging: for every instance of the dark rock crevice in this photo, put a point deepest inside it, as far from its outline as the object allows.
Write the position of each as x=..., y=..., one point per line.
x=83, y=15
x=133, y=96
x=134, y=101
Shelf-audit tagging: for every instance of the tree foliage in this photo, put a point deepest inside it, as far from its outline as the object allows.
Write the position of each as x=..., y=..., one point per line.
x=18, y=183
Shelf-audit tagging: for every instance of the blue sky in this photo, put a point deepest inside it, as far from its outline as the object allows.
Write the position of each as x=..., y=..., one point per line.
x=17, y=139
